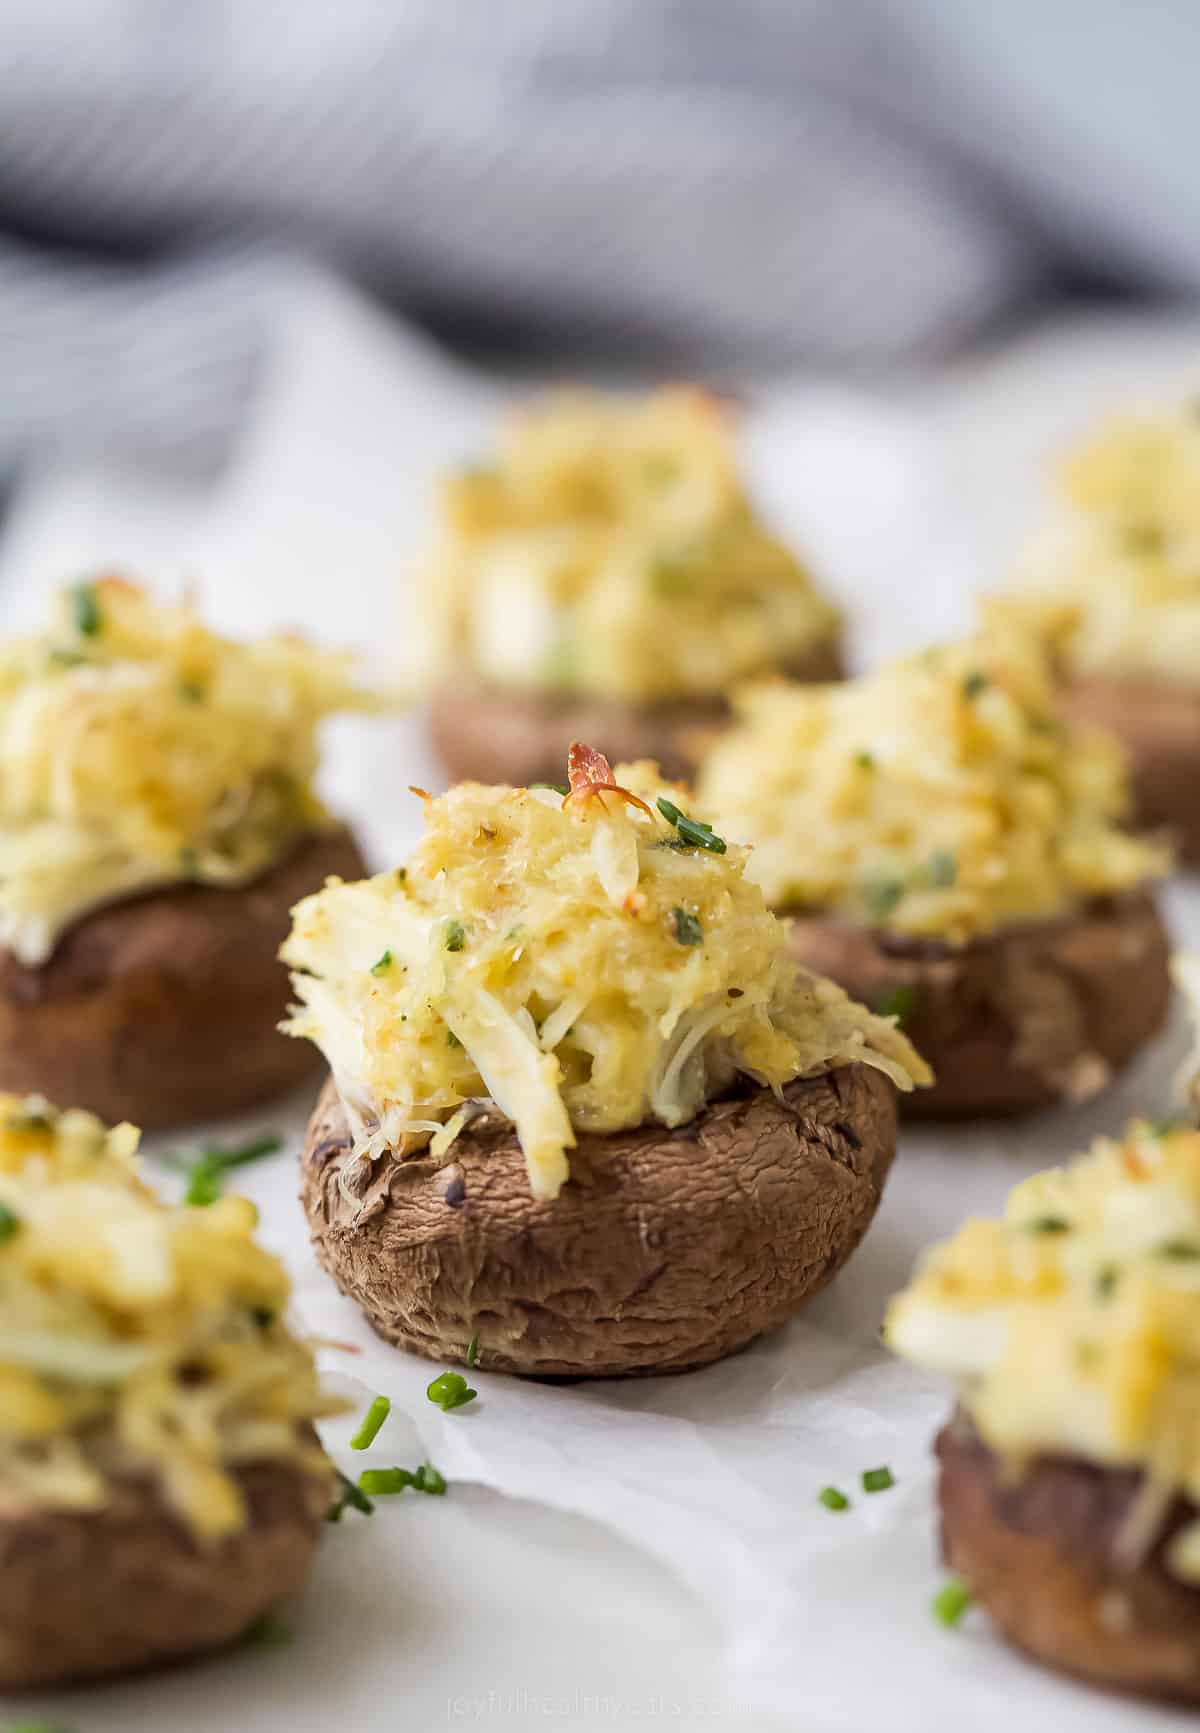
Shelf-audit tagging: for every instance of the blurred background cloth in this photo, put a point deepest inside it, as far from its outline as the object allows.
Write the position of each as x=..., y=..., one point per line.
x=689, y=183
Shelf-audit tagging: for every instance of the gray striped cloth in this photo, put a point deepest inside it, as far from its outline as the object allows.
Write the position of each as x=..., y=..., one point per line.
x=697, y=182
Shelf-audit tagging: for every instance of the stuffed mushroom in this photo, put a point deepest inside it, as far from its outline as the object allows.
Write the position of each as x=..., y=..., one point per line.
x=953, y=854
x=157, y=822
x=1112, y=588
x=584, y=1105
x=1070, y=1474
x=161, y=1485
x=605, y=578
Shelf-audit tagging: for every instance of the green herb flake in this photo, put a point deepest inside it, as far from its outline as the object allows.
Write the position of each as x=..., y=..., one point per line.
x=268, y=1632
x=877, y=1479
x=86, y=611
x=454, y=935
x=865, y=760
x=450, y=1390
x=558, y=787
x=1106, y=1281
x=383, y=964
x=385, y=1482
x=881, y=896
x=349, y=1497
x=975, y=683
x=427, y=1479
x=693, y=832
x=687, y=927
x=1179, y=1251
x=9, y=1223
x=1164, y=1127
x=900, y=1002
x=832, y=1499
x=372, y=1421
x=473, y=1350
x=206, y=1172
x=35, y=1122
x=452, y=1039
x=941, y=869
x=1048, y=1225
x=193, y=691
x=950, y=1602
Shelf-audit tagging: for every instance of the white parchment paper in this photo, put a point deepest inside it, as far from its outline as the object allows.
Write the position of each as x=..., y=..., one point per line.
x=823, y=1618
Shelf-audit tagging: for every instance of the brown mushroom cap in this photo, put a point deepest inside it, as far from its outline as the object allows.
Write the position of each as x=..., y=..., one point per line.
x=486, y=733
x=1158, y=722
x=87, y=1594
x=162, y=1009
x=1039, y=1553
x=665, y=1250
x=1021, y=1019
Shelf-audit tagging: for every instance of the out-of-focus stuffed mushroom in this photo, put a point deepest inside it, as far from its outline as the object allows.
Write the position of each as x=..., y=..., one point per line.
x=157, y=822
x=161, y=1485
x=584, y=1104
x=1070, y=1474
x=1112, y=588
x=953, y=854
x=605, y=577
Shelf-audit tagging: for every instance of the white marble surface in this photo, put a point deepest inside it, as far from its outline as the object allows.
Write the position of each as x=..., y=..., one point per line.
x=649, y=1552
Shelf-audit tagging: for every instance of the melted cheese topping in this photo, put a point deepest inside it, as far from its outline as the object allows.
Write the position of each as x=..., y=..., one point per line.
x=1073, y=1324
x=610, y=549
x=137, y=748
x=576, y=962
x=1112, y=586
x=937, y=797
x=136, y=1340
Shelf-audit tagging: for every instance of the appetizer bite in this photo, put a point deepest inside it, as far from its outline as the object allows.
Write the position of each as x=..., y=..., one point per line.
x=161, y=1486
x=157, y=822
x=1113, y=590
x=606, y=578
x=1070, y=1475
x=952, y=854
x=584, y=1105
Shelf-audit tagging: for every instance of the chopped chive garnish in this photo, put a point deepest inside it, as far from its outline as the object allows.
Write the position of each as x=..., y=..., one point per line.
x=383, y=1482
x=693, y=832
x=268, y=1632
x=27, y=1122
x=975, y=683
x=832, y=1499
x=558, y=787
x=386, y=1482
x=687, y=927
x=204, y=1176
x=401, y=875
x=86, y=610
x=881, y=896
x=1180, y=1250
x=9, y=1223
x=383, y=964
x=1106, y=1281
x=349, y=1497
x=450, y=1390
x=877, y=1479
x=473, y=1350
x=264, y=1316
x=452, y=1039
x=192, y=690
x=455, y=935
x=950, y=1602
x=865, y=760
x=941, y=869
x=899, y=1003
x=372, y=1420
x=1049, y=1225
x=1164, y=1127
